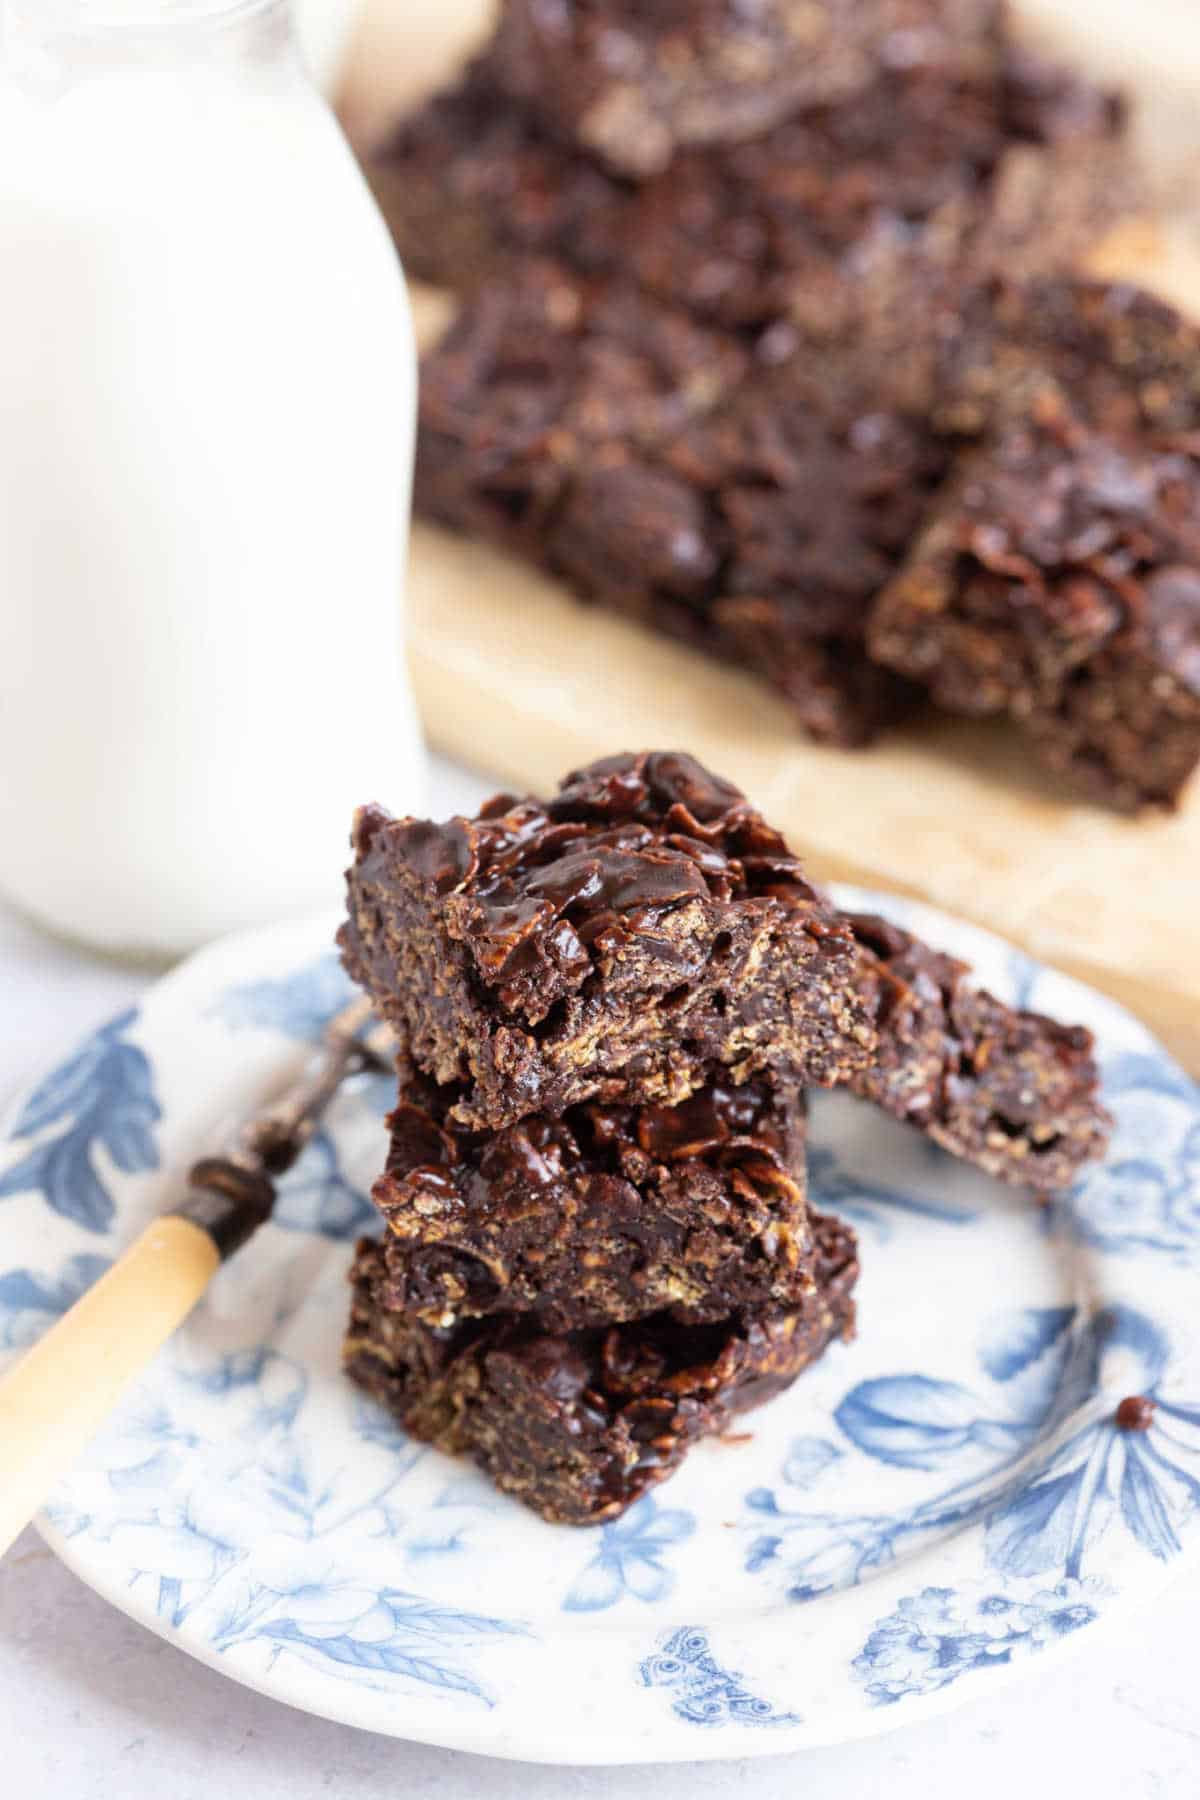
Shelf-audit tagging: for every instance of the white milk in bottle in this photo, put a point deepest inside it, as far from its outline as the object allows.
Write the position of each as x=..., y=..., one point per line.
x=207, y=389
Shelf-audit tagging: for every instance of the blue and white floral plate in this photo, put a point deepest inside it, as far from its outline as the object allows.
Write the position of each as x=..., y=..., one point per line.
x=930, y=1509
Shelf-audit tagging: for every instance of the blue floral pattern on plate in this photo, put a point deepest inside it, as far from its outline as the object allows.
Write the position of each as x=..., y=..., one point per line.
x=298, y=1004
x=702, y=1691
x=929, y=1508
x=318, y=1197
x=1043, y=1516
x=100, y=1099
x=253, y=1560
x=632, y=1558
x=29, y=1302
x=1146, y=1197
x=936, y=1636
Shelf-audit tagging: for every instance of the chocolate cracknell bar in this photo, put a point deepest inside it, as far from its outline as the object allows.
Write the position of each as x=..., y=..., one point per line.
x=579, y=1425
x=851, y=220
x=622, y=942
x=1059, y=583
x=634, y=84
x=606, y=1214
x=753, y=512
x=1010, y=1091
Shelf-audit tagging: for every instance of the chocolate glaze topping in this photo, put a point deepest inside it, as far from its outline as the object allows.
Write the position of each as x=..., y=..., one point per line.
x=626, y=840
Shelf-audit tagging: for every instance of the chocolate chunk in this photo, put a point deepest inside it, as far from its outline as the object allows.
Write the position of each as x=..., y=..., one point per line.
x=1135, y=1413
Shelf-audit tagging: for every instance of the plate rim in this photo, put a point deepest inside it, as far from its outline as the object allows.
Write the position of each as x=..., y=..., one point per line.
x=736, y=1744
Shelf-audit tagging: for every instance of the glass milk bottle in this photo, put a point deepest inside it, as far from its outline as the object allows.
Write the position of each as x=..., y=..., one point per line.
x=207, y=389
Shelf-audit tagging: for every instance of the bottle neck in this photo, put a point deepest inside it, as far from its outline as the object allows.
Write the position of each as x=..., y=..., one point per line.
x=45, y=38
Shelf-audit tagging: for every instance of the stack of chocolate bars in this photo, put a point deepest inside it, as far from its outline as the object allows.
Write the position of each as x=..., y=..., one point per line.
x=769, y=337
x=598, y=1241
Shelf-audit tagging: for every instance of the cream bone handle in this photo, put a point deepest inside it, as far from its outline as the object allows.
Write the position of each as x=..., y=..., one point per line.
x=56, y=1398
x=58, y=1395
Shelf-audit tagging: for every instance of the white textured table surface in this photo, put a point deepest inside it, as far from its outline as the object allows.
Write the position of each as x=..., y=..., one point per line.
x=93, y=1707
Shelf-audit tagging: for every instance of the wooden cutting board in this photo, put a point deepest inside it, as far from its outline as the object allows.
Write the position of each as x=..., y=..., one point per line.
x=517, y=678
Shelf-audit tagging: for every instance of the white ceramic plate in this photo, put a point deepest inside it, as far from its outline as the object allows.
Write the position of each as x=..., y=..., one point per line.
x=927, y=1511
